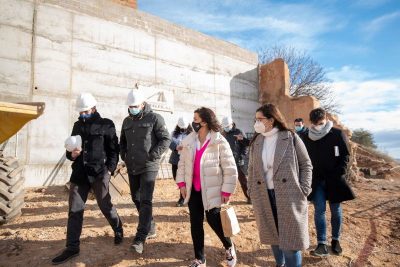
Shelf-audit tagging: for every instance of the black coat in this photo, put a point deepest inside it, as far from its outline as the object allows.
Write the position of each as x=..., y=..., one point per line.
x=144, y=138
x=99, y=149
x=330, y=166
x=239, y=148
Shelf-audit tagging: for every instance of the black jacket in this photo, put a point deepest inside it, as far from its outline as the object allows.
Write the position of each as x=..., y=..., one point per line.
x=330, y=164
x=239, y=148
x=99, y=149
x=144, y=138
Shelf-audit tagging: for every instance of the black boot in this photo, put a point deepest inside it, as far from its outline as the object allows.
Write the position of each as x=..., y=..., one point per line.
x=320, y=251
x=118, y=233
x=118, y=237
x=336, y=248
x=65, y=256
x=179, y=203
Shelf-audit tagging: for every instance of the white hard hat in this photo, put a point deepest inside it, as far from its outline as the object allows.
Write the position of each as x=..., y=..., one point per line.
x=73, y=142
x=135, y=98
x=85, y=101
x=182, y=123
x=226, y=121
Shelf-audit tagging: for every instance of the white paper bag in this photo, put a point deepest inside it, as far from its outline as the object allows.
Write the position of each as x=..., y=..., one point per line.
x=229, y=221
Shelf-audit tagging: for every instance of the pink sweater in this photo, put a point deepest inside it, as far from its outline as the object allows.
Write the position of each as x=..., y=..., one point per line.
x=196, y=167
x=196, y=170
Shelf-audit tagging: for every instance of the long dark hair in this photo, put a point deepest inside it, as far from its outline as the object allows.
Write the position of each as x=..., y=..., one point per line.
x=271, y=111
x=208, y=116
x=177, y=130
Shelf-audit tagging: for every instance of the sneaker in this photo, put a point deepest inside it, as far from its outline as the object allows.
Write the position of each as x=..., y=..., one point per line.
x=336, y=248
x=320, y=251
x=138, y=245
x=118, y=237
x=65, y=256
x=152, y=234
x=198, y=263
x=230, y=256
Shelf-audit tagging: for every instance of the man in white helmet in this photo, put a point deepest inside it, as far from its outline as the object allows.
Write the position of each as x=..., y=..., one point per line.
x=144, y=138
x=92, y=167
x=239, y=145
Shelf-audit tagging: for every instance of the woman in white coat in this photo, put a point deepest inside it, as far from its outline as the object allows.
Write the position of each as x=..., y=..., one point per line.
x=206, y=177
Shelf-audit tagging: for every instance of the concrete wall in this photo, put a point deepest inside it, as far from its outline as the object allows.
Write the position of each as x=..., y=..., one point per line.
x=50, y=51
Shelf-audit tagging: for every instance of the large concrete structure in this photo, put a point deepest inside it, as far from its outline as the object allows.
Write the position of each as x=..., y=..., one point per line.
x=52, y=50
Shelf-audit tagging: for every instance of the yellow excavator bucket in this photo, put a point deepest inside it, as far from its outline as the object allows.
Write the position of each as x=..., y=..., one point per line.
x=14, y=116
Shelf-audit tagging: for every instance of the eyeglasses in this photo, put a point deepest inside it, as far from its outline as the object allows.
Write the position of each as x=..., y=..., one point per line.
x=260, y=119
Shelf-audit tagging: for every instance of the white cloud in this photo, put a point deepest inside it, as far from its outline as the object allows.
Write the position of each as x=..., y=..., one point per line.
x=349, y=73
x=389, y=142
x=237, y=21
x=369, y=103
x=377, y=24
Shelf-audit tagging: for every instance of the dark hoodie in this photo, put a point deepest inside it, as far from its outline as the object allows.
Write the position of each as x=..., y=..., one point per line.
x=144, y=138
x=99, y=149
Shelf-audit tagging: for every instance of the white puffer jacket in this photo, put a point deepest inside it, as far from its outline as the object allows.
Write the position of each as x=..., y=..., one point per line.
x=218, y=172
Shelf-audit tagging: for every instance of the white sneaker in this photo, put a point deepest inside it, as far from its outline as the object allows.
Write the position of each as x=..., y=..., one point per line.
x=197, y=263
x=230, y=255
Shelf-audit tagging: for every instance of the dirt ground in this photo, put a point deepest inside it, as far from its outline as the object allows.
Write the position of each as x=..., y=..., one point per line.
x=371, y=232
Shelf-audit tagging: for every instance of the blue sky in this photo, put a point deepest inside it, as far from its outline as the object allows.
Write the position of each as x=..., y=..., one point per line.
x=357, y=42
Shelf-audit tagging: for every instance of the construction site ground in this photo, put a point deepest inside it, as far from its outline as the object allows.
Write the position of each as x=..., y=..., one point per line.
x=371, y=231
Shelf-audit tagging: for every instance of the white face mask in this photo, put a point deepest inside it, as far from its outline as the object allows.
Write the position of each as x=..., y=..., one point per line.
x=319, y=127
x=259, y=127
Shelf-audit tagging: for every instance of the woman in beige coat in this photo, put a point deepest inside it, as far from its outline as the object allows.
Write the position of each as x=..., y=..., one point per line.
x=280, y=174
x=206, y=177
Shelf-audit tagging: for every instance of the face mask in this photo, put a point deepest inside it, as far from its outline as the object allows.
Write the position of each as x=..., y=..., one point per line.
x=319, y=127
x=85, y=116
x=134, y=111
x=298, y=128
x=227, y=129
x=259, y=127
x=196, y=126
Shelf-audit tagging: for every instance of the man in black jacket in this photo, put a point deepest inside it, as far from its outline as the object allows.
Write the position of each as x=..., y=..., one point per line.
x=329, y=155
x=144, y=138
x=92, y=167
x=239, y=145
x=299, y=126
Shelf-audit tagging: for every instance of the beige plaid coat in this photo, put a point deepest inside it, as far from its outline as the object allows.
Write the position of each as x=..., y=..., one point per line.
x=292, y=181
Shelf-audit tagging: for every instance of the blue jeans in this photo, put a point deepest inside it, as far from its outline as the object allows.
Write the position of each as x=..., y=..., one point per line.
x=319, y=201
x=291, y=258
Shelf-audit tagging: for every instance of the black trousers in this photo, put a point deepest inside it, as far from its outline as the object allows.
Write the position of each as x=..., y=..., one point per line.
x=174, y=171
x=272, y=201
x=196, y=210
x=77, y=198
x=142, y=188
x=243, y=181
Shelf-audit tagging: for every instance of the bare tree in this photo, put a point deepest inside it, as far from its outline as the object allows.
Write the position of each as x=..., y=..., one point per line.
x=307, y=77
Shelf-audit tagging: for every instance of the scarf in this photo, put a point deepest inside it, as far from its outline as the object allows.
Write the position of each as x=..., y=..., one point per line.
x=316, y=135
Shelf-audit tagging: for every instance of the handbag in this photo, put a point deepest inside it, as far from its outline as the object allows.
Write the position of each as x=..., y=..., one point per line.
x=229, y=221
